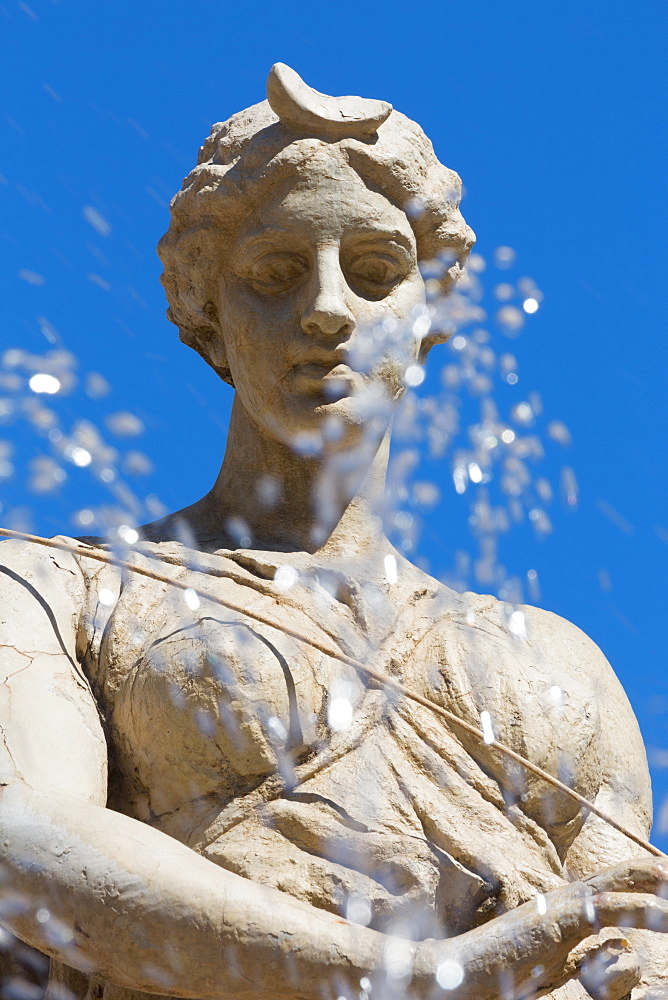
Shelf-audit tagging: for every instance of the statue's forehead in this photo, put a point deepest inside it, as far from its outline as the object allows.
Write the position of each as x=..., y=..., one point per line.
x=321, y=179
x=330, y=204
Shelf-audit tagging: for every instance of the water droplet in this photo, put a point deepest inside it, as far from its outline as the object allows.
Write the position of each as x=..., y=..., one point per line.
x=414, y=376
x=449, y=974
x=124, y=424
x=517, y=624
x=80, y=456
x=559, y=432
x=510, y=318
x=96, y=386
x=41, y=382
x=359, y=911
x=127, y=534
x=487, y=730
x=522, y=414
x=339, y=714
x=285, y=577
x=504, y=292
x=391, y=572
x=504, y=257
x=31, y=277
x=191, y=599
x=96, y=220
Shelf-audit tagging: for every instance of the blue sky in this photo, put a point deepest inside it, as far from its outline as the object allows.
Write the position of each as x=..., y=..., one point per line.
x=552, y=113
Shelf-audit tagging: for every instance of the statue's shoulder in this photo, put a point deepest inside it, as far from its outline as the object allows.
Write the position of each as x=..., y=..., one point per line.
x=48, y=566
x=545, y=637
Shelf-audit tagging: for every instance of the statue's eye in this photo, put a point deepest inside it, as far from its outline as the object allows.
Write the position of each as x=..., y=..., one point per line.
x=374, y=275
x=277, y=272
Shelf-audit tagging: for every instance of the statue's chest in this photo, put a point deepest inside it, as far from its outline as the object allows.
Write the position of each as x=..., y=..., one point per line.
x=204, y=705
x=214, y=704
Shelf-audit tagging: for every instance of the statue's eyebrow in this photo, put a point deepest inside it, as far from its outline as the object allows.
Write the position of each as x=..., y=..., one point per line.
x=266, y=234
x=370, y=234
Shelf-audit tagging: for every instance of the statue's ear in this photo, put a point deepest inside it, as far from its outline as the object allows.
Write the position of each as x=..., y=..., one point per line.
x=432, y=338
x=208, y=341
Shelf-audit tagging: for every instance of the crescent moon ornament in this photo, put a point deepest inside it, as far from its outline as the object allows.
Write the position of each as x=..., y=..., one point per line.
x=305, y=110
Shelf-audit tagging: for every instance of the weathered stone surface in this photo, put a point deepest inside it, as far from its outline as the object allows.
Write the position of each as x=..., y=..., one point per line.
x=203, y=801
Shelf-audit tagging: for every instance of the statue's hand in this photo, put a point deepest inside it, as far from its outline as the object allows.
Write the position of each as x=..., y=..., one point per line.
x=646, y=875
x=544, y=943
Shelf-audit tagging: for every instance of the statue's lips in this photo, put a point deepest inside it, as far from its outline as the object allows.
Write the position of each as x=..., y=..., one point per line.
x=318, y=376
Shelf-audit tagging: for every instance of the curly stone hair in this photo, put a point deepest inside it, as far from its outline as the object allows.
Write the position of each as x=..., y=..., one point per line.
x=245, y=155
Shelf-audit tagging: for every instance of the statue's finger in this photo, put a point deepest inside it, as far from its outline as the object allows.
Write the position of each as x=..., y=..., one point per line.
x=639, y=875
x=626, y=909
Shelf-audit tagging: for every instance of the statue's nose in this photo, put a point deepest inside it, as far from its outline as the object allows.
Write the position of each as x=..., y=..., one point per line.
x=327, y=311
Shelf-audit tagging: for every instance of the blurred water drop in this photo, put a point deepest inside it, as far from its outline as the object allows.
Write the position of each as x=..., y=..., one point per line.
x=477, y=263
x=487, y=729
x=475, y=472
x=504, y=292
x=79, y=456
x=42, y=382
x=239, y=531
x=46, y=474
x=98, y=280
x=558, y=431
x=449, y=974
x=96, y=220
x=136, y=463
x=124, y=424
x=533, y=585
x=128, y=534
x=414, y=376
x=569, y=486
x=191, y=599
x=339, y=714
x=504, y=257
x=522, y=414
x=391, y=573
x=285, y=577
x=517, y=624
x=96, y=385
x=31, y=277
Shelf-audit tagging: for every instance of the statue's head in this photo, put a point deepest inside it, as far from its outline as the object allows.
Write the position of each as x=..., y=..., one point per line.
x=300, y=230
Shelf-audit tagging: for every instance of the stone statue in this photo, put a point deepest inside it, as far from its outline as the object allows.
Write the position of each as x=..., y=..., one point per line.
x=199, y=803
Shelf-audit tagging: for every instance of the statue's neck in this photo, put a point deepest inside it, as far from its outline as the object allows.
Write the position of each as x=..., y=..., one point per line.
x=288, y=501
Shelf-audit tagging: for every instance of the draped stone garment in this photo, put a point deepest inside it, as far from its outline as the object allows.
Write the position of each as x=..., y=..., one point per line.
x=282, y=764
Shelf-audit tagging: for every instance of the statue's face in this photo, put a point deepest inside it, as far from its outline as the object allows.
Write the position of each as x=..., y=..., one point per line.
x=315, y=269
